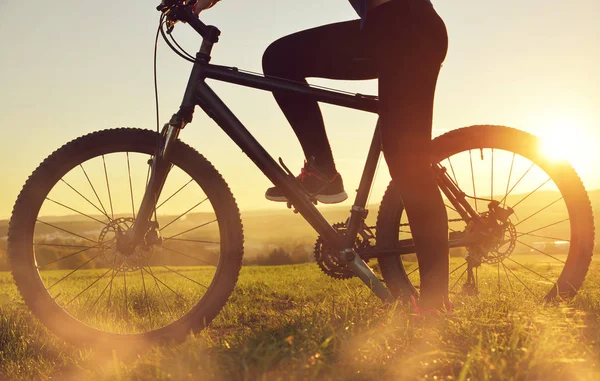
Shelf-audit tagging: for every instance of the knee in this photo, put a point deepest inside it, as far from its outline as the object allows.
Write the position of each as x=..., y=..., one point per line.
x=409, y=160
x=276, y=60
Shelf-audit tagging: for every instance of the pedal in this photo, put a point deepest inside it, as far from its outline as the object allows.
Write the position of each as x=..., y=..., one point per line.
x=290, y=206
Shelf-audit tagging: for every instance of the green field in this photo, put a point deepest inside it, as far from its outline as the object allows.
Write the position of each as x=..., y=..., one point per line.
x=292, y=322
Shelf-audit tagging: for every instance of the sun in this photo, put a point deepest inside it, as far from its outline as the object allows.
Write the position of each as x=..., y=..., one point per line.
x=568, y=140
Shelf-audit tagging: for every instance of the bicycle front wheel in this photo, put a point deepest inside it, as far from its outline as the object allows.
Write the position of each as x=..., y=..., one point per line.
x=64, y=228
x=547, y=242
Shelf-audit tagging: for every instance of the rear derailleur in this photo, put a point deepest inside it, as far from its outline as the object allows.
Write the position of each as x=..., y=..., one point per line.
x=470, y=286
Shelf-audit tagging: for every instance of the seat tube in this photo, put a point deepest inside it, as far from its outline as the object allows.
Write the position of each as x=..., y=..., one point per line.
x=358, y=211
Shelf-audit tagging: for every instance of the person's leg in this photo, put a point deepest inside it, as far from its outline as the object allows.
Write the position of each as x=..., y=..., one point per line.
x=411, y=43
x=330, y=51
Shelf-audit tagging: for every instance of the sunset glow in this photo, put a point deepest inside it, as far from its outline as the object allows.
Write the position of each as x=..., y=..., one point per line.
x=569, y=140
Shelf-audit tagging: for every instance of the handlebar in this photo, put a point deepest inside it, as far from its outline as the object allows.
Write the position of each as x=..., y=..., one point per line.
x=181, y=10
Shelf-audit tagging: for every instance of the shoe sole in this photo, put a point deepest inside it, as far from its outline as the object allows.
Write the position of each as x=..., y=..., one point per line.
x=322, y=198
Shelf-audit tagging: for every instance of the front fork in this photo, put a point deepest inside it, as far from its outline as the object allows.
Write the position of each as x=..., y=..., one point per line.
x=160, y=167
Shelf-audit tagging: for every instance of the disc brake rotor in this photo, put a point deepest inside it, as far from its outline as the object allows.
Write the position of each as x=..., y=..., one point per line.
x=107, y=245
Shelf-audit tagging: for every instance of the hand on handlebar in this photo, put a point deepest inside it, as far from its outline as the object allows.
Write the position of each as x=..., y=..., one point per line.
x=202, y=5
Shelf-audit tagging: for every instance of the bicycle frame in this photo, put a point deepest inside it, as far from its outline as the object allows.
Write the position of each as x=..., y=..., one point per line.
x=198, y=93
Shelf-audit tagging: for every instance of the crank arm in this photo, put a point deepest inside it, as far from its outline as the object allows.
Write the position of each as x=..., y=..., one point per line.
x=364, y=272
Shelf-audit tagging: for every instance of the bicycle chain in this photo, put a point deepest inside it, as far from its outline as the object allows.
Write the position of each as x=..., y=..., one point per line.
x=407, y=224
x=329, y=262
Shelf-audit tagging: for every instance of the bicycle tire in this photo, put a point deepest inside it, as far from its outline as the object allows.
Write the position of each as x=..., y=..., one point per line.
x=25, y=213
x=527, y=146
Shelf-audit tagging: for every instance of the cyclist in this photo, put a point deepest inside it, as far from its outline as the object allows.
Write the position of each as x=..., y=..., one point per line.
x=402, y=43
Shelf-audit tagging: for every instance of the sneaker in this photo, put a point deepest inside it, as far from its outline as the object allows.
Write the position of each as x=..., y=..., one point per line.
x=323, y=189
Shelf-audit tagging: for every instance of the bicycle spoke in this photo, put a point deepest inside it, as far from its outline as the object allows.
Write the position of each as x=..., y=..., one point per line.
x=189, y=256
x=532, y=192
x=539, y=211
x=415, y=270
x=527, y=268
x=108, y=304
x=125, y=292
x=62, y=245
x=503, y=201
x=130, y=185
x=449, y=207
x=459, y=278
x=94, y=190
x=88, y=287
x=146, y=297
x=76, y=211
x=86, y=199
x=174, y=194
x=67, y=231
x=524, y=285
x=68, y=256
x=453, y=173
x=473, y=180
x=69, y=274
x=186, y=212
x=194, y=240
x=112, y=213
x=543, y=236
x=453, y=271
x=498, y=275
x=189, y=230
x=538, y=250
x=544, y=227
x=169, y=288
x=183, y=276
x=507, y=278
x=160, y=292
x=113, y=275
x=517, y=183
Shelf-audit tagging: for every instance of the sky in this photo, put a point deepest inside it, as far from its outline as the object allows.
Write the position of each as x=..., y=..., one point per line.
x=69, y=68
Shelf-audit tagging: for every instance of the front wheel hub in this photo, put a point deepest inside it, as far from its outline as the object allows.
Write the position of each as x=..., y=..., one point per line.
x=114, y=242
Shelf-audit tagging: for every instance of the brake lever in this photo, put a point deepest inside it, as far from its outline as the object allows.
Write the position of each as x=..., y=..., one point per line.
x=170, y=26
x=167, y=8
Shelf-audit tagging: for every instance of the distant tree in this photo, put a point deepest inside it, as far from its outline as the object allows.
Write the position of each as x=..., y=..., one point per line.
x=300, y=254
x=279, y=256
x=3, y=261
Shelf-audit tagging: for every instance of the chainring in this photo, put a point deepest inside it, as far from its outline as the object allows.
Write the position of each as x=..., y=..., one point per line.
x=328, y=259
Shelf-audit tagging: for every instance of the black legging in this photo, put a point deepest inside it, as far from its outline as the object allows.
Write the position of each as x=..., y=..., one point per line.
x=403, y=44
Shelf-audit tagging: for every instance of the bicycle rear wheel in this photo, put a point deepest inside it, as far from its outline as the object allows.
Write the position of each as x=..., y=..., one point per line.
x=547, y=243
x=68, y=216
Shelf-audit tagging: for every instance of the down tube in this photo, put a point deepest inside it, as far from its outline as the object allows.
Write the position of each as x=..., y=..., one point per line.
x=217, y=110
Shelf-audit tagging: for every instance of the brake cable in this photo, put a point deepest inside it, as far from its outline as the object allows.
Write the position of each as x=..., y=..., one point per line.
x=160, y=25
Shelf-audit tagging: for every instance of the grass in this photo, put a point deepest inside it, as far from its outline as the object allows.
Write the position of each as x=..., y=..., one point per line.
x=292, y=322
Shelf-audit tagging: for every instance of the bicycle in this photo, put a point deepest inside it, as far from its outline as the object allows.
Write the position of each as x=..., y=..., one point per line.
x=65, y=277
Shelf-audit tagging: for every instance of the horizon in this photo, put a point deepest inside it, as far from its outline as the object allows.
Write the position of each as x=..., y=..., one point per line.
x=324, y=208
x=533, y=76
